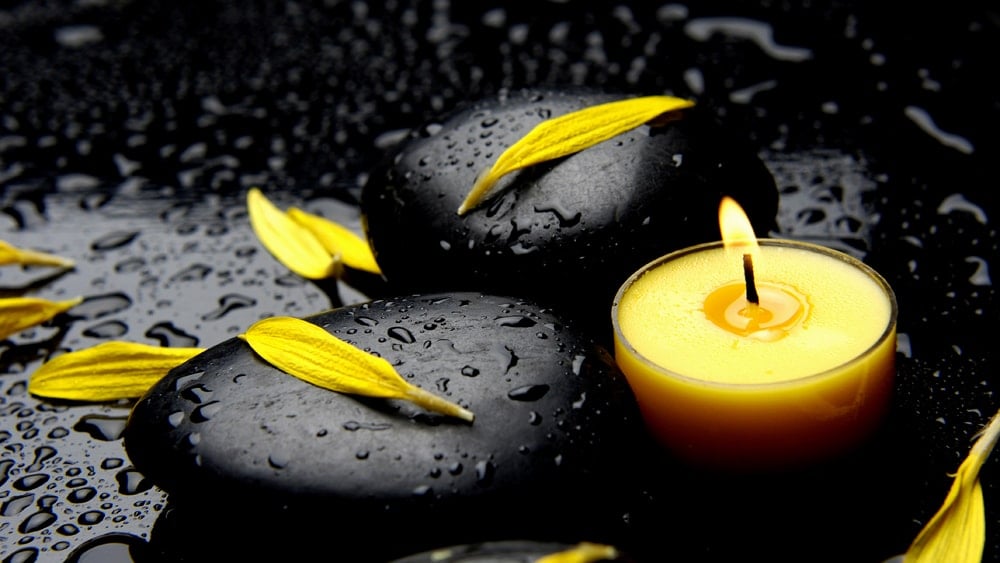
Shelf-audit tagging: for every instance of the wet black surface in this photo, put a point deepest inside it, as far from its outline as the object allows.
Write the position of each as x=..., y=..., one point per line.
x=129, y=133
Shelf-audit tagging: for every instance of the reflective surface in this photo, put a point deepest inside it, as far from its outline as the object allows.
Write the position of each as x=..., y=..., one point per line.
x=129, y=133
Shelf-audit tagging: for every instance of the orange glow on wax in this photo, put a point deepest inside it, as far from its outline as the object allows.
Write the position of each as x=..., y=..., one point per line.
x=764, y=311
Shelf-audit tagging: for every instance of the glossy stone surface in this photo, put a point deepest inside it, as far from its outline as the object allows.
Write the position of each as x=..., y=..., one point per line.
x=570, y=230
x=554, y=420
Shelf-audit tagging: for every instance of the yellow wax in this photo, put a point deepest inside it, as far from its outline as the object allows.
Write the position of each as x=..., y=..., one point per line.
x=813, y=379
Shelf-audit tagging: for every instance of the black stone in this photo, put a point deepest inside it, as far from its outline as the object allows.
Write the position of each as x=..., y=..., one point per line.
x=568, y=231
x=554, y=445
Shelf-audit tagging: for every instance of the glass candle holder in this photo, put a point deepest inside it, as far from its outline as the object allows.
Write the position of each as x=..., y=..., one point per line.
x=804, y=374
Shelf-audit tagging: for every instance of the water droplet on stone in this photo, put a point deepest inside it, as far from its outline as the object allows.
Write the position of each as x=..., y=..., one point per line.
x=528, y=392
x=534, y=418
x=519, y=321
x=278, y=460
x=469, y=371
x=206, y=411
x=197, y=393
x=401, y=334
x=484, y=472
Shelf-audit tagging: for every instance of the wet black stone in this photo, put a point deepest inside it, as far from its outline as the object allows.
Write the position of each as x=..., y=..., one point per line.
x=568, y=231
x=273, y=444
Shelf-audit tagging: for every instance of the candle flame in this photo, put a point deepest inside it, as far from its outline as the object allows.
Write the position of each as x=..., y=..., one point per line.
x=737, y=232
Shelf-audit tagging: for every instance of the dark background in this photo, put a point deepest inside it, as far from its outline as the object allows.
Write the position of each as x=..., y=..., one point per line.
x=130, y=132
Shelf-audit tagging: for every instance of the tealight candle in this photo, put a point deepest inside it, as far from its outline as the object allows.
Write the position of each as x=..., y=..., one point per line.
x=757, y=354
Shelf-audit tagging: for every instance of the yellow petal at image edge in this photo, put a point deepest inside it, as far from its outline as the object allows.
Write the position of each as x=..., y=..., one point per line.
x=19, y=313
x=310, y=353
x=957, y=532
x=584, y=552
x=10, y=254
x=106, y=372
x=338, y=240
x=290, y=243
x=570, y=133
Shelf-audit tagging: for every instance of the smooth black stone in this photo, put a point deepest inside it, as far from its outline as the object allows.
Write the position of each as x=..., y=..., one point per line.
x=568, y=231
x=555, y=445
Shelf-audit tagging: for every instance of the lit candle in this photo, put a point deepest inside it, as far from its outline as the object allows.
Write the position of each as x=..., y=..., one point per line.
x=754, y=354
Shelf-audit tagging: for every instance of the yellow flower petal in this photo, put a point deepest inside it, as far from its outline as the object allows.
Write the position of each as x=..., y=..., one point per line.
x=570, y=133
x=338, y=240
x=584, y=552
x=12, y=255
x=19, y=313
x=957, y=532
x=309, y=352
x=290, y=243
x=107, y=372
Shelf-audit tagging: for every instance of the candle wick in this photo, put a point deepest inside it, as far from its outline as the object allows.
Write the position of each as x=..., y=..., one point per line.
x=748, y=277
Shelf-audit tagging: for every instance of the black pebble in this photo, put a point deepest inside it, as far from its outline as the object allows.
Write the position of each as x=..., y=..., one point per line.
x=568, y=231
x=553, y=447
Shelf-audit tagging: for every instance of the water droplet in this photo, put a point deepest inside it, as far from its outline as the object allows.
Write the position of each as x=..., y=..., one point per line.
x=401, y=334
x=365, y=321
x=131, y=482
x=101, y=305
x=455, y=468
x=81, y=495
x=102, y=427
x=29, y=482
x=228, y=303
x=170, y=336
x=175, y=419
x=534, y=418
x=114, y=240
x=361, y=454
x=130, y=265
x=112, y=463
x=519, y=321
x=185, y=379
x=15, y=505
x=206, y=411
x=36, y=522
x=42, y=454
x=442, y=384
x=193, y=273
x=90, y=518
x=528, y=392
x=279, y=460
x=578, y=363
x=484, y=472
x=469, y=371
x=423, y=491
x=68, y=530
x=106, y=330
x=197, y=393
x=577, y=404
x=565, y=217
x=353, y=425
x=506, y=356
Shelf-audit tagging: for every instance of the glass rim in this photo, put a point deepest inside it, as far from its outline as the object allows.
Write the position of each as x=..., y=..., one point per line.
x=890, y=325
